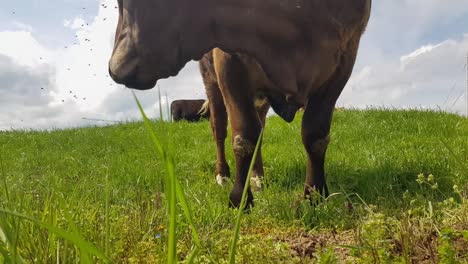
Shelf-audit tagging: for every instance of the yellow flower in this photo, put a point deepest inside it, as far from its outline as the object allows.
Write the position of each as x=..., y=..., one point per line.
x=430, y=178
x=420, y=178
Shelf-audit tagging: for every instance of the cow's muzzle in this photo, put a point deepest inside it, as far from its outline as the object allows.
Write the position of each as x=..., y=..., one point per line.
x=131, y=80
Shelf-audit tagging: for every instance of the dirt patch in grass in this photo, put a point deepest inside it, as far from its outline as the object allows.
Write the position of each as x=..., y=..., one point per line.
x=307, y=245
x=347, y=247
x=461, y=247
x=423, y=248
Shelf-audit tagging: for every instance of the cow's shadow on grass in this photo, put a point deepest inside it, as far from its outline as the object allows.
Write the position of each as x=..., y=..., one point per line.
x=378, y=184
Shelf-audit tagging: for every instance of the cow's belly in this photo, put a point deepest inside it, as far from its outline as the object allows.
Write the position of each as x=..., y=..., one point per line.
x=257, y=77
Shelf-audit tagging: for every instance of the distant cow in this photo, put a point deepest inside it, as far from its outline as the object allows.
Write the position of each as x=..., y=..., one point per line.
x=190, y=110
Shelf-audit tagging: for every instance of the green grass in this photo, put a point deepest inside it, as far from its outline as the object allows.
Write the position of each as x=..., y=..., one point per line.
x=104, y=191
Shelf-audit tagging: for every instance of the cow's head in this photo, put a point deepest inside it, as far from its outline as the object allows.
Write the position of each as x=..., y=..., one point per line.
x=148, y=44
x=154, y=39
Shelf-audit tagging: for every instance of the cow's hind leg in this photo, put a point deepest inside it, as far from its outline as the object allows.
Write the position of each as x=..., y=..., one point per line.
x=218, y=121
x=316, y=127
x=218, y=116
x=262, y=107
x=245, y=123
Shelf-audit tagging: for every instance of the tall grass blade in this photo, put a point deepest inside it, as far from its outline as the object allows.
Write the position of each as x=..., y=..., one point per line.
x=450, y=149
x=188, y=213
x=6, y=232
x=193, y=255
x=168, y=110
x=15, y=241
x=172, y=248
x=5, y=185
x=107, y=217
x=175, y=194
x=235, y=238
x=171, y=254
x=5, y=255
x=160, y=105
x=155, y=140
x=7, y=236
x=74, y=238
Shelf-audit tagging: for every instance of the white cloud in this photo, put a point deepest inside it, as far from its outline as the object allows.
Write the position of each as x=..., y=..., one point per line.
x=405, y=59
x=23, y=27
x=401, y=26
x=432, y=76
x=75, y=79
x=77, y=23
x=25, y=50
x=88, y=64
x=26, y=94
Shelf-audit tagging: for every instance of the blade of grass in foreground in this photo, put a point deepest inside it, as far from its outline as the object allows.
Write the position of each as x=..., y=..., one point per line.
x=175, y=192
x=171, y=254
x=107, y=217
x=5, y=184
x=7, y=234
x=235, y=238
x=77, y=240
x=9, y=241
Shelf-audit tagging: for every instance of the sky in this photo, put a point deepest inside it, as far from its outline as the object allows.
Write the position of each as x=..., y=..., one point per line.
x=54, y=57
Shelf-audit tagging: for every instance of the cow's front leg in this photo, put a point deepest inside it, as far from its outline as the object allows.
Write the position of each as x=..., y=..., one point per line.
x=315, y=137
x=316, y=126
x=244, y=120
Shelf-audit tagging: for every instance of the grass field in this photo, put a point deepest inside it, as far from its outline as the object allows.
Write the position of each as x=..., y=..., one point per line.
x=399, y=181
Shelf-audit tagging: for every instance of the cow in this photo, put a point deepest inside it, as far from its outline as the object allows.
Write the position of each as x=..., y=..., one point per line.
x=297, y=53
x=189, y=110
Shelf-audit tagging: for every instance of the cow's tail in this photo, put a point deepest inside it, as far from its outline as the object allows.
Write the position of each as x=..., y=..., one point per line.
x=205, y=108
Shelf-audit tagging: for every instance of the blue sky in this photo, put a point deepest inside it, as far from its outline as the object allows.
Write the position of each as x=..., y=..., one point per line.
x=412, y=55
x=46, y=17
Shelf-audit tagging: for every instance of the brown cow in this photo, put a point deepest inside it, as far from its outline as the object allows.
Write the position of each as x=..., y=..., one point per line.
x=190, y=110
x=302, y=52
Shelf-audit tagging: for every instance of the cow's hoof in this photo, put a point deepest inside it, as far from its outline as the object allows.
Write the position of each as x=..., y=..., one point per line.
x=256, y=183
x=316, y=195
x=221, y=180
x=235, y=202
x=235, y=199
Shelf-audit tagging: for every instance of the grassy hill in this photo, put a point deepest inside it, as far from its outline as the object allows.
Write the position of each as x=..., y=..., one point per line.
x=399, y=181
